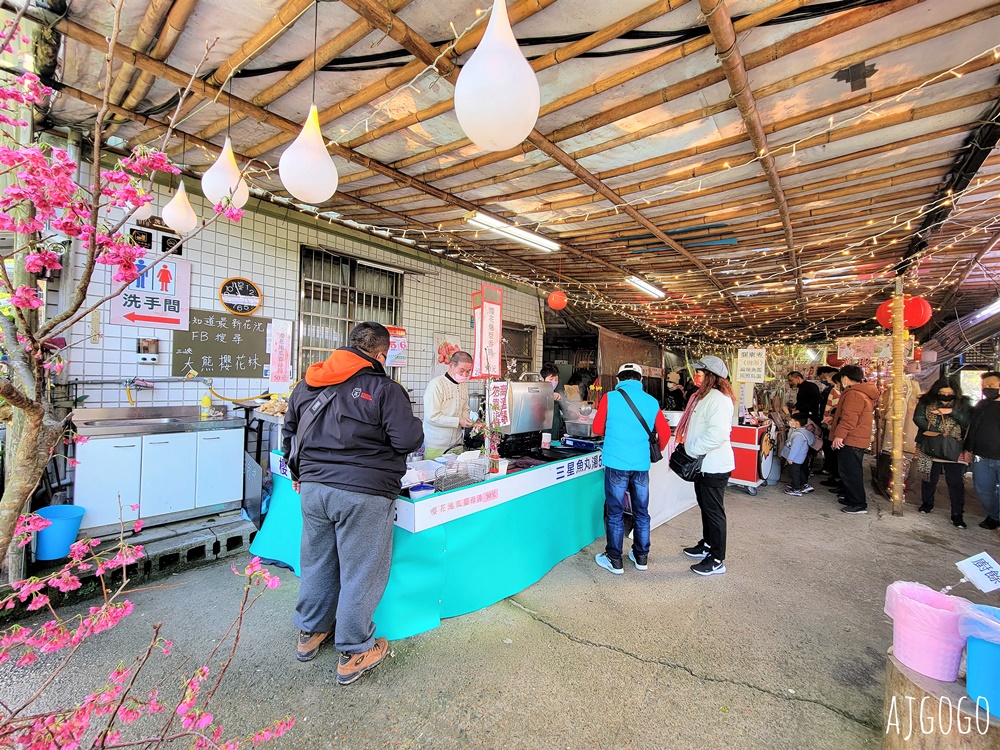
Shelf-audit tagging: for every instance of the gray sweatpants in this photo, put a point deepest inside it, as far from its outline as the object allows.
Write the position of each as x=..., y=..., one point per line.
x=346, y=552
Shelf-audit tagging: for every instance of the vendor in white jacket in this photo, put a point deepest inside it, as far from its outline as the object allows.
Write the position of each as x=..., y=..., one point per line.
x=704, y=430
x=446, y=406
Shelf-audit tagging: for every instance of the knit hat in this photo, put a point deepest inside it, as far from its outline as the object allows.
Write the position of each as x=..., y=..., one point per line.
x=673, y=377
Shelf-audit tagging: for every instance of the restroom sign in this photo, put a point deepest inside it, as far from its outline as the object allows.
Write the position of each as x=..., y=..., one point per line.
x=160, y=297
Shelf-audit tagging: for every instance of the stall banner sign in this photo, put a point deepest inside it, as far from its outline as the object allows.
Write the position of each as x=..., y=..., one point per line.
x=499, y=415
x=441, y=507
x=871, y=347
x=489, y=332
x=654, y=373
x=222, y=345
x=280, y=346
x=397, y=347
x=982, y=571
x=159, y=298
x=477, y=326
x=751, y=365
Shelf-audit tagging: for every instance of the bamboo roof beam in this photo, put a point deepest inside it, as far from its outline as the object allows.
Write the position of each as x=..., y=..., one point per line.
x=203, y=90
x=838, y=24
x=675, y=53
x=171, y=31
x=828, y=136
x=262, y=40
x=424, y=51
x=145, y=35
x=941, y=308
x=326, y=52
x=518, y=12
x=568, y=52
x=167, y=37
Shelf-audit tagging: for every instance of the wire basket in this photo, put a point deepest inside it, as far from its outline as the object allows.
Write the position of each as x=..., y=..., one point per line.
x=452, y=477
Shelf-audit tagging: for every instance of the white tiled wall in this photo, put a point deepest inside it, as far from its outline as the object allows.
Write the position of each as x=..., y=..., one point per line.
x=265, y=250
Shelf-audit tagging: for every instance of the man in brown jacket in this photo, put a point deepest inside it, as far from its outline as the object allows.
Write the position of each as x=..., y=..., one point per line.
x=851, y=435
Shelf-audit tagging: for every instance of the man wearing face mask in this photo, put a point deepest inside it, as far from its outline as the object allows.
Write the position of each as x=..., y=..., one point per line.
x=983, y=440
x=446, y=406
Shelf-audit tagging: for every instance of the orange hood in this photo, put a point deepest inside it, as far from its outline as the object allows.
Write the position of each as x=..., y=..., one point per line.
x=337, y=368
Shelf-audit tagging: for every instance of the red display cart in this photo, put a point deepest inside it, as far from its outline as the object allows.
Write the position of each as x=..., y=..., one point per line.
x=754, y=449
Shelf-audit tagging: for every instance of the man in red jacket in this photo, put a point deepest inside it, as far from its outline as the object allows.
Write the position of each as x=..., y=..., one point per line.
x=851, y=435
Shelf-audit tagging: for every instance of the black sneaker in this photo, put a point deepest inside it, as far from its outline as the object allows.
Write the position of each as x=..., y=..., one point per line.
x=958, y=521
x=843, y=501
x=699, y=551
x=830, y=483
x=806, y=489
x=990, y=524
x=641, y=561
x=855, y=510
x=612, y=566
x=709, y=567
x=925, y=509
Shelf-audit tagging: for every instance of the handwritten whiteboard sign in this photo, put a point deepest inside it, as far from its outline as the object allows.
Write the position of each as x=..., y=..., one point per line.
x=750, y=365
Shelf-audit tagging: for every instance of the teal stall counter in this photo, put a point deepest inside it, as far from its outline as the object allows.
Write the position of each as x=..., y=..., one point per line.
x=459, y=551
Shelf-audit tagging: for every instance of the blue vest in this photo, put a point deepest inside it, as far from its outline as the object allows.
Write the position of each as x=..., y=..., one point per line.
x=626, y=444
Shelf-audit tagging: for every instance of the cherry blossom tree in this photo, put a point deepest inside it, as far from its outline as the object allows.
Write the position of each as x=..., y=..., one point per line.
x=42, y=206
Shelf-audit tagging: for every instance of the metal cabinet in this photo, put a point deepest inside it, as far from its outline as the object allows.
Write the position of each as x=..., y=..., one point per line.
x=168, y=473
x=108, y=473
x=219, y=476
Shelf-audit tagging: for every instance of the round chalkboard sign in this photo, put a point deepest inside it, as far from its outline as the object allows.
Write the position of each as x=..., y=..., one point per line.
x=240, y=296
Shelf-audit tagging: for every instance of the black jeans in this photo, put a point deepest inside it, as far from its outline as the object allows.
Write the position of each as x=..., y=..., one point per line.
x=830, y=459
x=850, y=462
x=954, y=477
x=709, y=489
x=797, y=475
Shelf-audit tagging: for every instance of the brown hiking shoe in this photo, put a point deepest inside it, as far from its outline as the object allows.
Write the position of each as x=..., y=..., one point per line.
x=352, y=666
x=308, y=645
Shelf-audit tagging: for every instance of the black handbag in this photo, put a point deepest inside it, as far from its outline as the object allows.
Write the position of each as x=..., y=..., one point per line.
x=304, y=427
x=655, y=454
x=684, y=465
x=945, y=447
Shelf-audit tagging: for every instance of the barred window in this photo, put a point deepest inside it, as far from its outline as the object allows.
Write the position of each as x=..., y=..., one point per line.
x=338, y=293
x=518, y=346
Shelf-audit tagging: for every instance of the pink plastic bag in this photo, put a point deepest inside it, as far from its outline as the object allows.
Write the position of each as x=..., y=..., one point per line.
x=925, y=634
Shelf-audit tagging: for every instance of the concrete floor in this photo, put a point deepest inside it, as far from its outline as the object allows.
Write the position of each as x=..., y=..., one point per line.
x=786, y=650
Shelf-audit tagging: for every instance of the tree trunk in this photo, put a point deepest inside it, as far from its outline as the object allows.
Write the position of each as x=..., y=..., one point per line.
x=39, y=436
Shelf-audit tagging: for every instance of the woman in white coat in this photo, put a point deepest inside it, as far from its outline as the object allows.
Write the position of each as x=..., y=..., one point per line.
x=704, y=429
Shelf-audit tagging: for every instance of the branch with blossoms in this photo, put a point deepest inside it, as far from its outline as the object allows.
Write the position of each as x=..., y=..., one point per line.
x=40, y=203
x=112, y=716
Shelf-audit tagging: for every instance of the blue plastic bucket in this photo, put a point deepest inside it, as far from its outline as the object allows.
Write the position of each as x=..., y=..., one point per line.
x=53, y=542
x=982, y=682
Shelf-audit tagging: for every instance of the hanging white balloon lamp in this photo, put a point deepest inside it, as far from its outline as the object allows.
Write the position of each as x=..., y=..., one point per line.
x=306, y=169
x=496, y=95
x=143, y=212
x=223, y=179
x=178, y=214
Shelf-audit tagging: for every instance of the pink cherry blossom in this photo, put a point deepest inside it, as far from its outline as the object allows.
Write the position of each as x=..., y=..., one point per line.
x=26, y=297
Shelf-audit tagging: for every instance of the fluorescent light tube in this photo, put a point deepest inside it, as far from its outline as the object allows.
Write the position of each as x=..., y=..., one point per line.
x=511, y=232
x=645, y=286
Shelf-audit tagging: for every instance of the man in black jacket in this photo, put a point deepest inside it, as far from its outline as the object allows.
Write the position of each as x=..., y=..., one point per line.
x=351, y=461
x=983, y=440
x=807, y=398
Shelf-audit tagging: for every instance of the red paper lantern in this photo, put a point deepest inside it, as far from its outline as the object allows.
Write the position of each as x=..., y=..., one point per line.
x=916, y=312
x=884, y=314
x=557, y=300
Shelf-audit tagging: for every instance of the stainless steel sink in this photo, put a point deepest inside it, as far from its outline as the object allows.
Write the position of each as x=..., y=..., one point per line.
x=138, y=422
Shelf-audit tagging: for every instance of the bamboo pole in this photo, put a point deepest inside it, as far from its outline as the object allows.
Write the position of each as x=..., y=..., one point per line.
x=898, y=334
